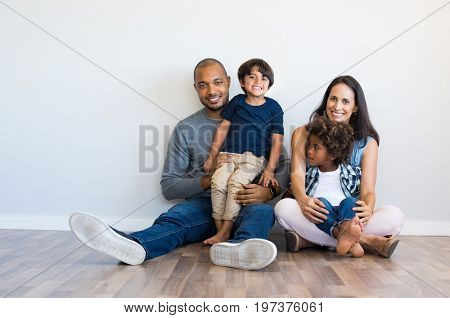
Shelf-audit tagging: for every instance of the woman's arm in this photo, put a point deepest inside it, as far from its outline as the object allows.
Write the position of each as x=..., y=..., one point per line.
x=313, y=209
x=368, y=180
x=298, y=162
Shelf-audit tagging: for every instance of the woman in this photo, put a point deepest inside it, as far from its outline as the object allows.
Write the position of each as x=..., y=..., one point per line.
x=343, y=101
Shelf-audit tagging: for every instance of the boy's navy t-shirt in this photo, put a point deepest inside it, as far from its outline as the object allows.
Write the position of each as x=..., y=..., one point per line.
x=252, y=126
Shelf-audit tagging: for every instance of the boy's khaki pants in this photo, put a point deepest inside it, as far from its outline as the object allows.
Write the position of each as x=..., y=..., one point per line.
x=229, y=179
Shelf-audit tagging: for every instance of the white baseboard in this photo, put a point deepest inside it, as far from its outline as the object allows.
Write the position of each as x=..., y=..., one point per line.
x=413, y=227
x=61, y=223
x=426, y=228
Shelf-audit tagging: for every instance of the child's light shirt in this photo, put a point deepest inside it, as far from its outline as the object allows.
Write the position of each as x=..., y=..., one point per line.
x=329, y=187
x=349, y=180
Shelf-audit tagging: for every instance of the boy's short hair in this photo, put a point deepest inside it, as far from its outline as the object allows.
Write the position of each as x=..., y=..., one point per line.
x=337, y=137
x=262, y=66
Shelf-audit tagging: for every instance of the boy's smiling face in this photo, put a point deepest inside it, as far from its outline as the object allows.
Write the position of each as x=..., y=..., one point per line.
x=255, y=84
x=317, y=152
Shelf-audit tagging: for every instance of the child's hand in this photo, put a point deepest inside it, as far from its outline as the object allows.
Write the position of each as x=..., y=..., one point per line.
x=266, y=178
x=208, y=164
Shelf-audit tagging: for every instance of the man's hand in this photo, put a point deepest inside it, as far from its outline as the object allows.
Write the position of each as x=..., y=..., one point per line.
x=205, y=182
x=253, y=193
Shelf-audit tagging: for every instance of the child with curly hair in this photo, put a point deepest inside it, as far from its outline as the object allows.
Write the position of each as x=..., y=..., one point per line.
x=334, y=182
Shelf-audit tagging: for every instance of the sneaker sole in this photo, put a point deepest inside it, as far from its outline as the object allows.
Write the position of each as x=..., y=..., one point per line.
x=251, y=254
x=100, y=237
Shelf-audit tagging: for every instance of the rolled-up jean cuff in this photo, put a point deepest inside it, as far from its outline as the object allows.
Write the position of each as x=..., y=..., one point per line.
x=338, y=225
x=344, y=220
x=331, y=230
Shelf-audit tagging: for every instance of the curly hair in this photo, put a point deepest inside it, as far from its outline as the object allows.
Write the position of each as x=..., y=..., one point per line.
x=337, y=137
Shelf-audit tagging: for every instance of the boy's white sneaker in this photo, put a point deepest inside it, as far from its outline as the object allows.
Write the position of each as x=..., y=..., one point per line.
x=96, y=234
x=251, y=254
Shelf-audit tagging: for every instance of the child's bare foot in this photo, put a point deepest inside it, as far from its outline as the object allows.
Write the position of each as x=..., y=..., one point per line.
x=356, y=250
x=218, y=238
x=349, y=234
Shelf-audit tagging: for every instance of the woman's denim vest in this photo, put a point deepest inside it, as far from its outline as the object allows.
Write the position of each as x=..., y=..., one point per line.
x=358, y=150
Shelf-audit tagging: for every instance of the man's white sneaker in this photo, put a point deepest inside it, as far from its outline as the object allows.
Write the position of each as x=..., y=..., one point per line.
x=249, y=255
x=100, y=237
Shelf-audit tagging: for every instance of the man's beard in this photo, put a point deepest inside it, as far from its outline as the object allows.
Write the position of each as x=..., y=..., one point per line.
x=216, y=108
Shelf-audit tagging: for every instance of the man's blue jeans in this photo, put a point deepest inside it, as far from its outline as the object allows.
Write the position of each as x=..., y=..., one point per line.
x=337, y=215
x=190, y=221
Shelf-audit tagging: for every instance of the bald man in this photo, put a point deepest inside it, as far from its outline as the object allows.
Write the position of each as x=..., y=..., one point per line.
x=183, y=177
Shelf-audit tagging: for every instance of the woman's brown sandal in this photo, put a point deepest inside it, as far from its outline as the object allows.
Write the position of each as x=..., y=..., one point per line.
x=295, y=242
x=384, y=249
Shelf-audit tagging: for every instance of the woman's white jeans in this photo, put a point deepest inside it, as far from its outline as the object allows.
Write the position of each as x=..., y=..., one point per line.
x=387, y=220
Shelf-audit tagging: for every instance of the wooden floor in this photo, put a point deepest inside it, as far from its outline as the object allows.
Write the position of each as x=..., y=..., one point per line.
x=55, y=264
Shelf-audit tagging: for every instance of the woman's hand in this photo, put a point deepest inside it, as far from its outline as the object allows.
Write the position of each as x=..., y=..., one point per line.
x=313, y=209
x=363, y=211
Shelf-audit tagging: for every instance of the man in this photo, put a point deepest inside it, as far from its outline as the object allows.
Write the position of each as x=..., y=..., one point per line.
x=183, y=177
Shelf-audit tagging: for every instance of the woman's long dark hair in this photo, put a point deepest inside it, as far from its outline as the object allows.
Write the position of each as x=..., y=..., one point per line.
x=360, y=121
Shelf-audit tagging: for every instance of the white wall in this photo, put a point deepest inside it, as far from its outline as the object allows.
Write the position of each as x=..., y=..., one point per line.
x=78, y=79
